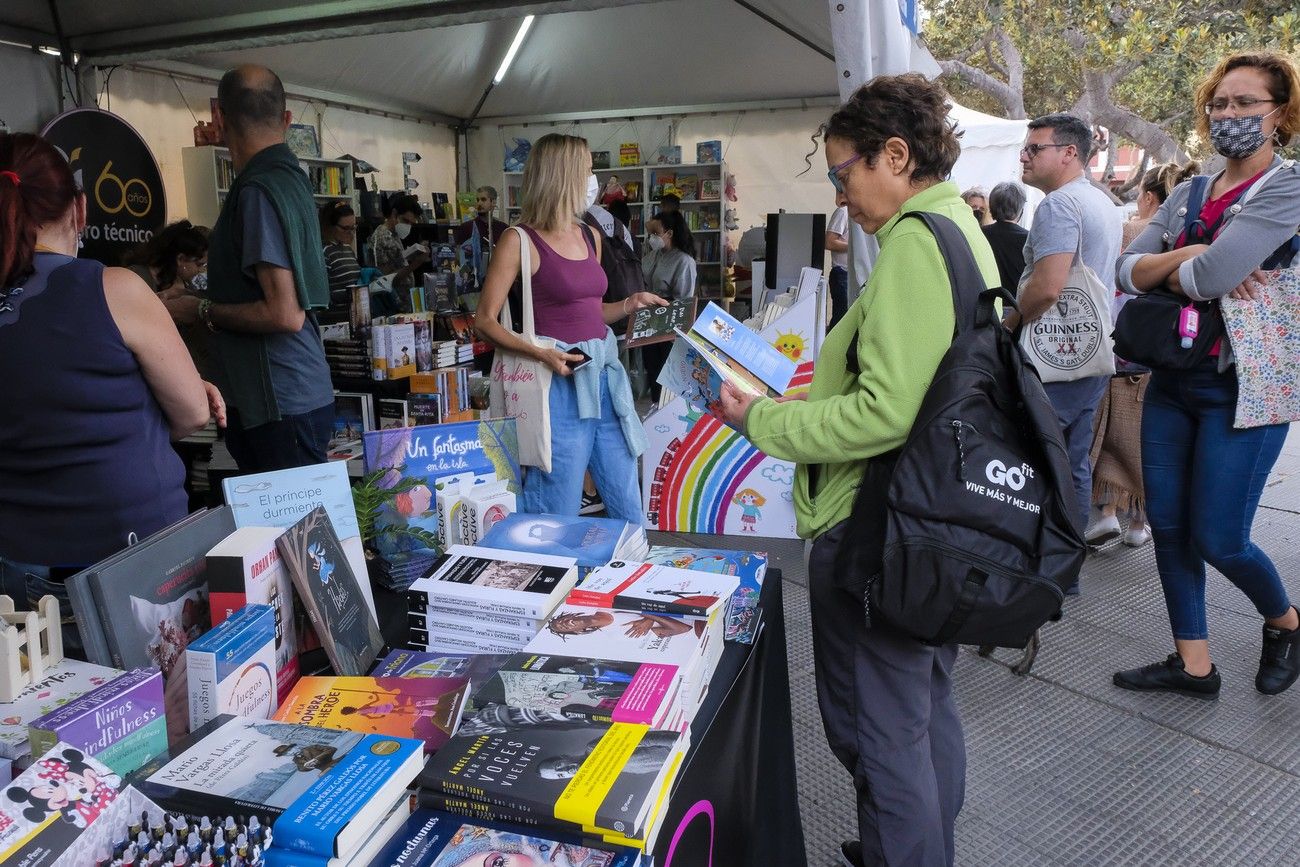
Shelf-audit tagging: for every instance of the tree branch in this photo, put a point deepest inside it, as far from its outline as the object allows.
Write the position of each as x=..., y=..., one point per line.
x=1100, y=108
x=1011, y=100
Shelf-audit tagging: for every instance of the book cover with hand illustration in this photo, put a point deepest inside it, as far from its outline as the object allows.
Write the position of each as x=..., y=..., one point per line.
x=331, y=594
x=634, y=586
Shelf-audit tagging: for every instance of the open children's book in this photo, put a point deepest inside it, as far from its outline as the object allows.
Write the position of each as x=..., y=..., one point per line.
x=719, y=348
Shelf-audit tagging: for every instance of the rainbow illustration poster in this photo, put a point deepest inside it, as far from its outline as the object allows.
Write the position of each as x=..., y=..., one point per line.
x=701, y=476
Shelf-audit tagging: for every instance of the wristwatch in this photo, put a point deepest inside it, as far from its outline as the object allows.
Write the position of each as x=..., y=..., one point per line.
x=205, y=313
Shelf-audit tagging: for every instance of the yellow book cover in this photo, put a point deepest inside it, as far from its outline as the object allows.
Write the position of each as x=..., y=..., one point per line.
x=426, y=708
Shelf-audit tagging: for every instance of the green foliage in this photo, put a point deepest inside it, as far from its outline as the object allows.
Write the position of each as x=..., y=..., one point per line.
x=1156, y=50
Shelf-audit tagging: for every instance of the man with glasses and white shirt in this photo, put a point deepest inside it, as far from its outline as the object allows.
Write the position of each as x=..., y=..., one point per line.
x=1075, y=216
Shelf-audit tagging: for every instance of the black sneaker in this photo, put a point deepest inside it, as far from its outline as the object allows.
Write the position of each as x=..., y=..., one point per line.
x=592, y=504
x=1279, y=661
x=851, y=854
x=1169, y=676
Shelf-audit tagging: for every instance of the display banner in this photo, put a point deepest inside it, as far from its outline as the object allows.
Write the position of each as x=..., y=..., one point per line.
x=735, y=804
x=125, y=201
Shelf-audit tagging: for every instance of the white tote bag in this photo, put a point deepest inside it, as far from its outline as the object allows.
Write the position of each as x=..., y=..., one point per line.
x=521, y=387
x=1072, y=339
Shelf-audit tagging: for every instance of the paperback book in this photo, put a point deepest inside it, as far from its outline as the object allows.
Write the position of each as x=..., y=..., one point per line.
x=634, y=586
x=432, y=838
x=604, y=690
x=425, y=708
x=57, y=686
x=475, y=668
x=232, y=668
x=493, y=580
x=379, y=837
x=281, y=498
x=589, y=541
x=659, y=324
x=749, y=567
x=322, y=789
x=601, y=777
x=331, y=593
x=708, y=151
x=122, y=723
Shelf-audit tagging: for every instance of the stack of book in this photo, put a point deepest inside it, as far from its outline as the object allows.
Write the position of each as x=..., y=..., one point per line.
x=591, y=542
x=448, y=353
x=348, y=358
x=396, y=572
x=744, y=616
x=486, y=600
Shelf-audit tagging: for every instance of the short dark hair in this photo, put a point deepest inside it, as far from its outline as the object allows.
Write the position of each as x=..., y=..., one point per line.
x=251, y=96
x=621, y=211
x=1006, y=201
x=491, y=192
x=909, y=107
x=1067, y=130
x=405, y=205
x=670, y=199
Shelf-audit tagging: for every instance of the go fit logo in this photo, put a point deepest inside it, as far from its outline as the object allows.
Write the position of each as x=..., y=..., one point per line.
x=1008, y=477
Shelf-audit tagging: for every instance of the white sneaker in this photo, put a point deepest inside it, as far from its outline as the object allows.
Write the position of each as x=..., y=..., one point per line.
x=1105, y=530
x=1137, y=538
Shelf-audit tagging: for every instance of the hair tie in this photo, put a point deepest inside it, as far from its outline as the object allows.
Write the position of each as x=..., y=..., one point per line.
x=13, y=176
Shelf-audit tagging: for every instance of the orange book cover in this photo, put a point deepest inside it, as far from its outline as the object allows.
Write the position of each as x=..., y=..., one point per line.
x=426, y=708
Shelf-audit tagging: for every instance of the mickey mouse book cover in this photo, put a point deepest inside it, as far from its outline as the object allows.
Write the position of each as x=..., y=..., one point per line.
x=50, y=804
x=331, y=593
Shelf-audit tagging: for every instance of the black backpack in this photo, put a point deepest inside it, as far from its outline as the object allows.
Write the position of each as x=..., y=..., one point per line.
x=967, y=532
x=621, y=266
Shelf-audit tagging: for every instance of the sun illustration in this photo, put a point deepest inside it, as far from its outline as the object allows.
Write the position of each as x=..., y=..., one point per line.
x=790, y=345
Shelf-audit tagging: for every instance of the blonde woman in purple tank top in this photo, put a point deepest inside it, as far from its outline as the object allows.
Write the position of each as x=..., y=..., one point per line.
x=594, y=425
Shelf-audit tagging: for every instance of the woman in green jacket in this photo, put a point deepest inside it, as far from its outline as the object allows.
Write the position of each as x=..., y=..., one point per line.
x=886, y=700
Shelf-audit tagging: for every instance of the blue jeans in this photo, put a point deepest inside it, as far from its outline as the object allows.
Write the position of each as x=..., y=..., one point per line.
x=26, y=583
x=293, y=441
x=1203, y=480
x=578, y=445
x=1075, y=404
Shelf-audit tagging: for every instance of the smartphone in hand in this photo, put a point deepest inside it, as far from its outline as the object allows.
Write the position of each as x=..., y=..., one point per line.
x=577, y=365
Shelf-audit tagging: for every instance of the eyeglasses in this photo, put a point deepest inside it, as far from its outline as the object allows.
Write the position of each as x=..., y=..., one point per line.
x=1033, y=150
x=834, y=173
x=1239, y=103
x=346, y=228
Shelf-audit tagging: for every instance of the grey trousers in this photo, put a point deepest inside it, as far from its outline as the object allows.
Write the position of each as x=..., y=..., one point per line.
x=1075, y=404
x=886, y=702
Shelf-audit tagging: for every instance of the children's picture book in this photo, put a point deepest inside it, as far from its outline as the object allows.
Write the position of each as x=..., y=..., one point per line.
x=493, y=580
x=330, y=592
x=281, y=498
x=415, y=459
x=585, y=774
x=353, y=416
x=600, y=159
x=143, y=605
x=669, y=155
x=47, y=807
x=432, y=838
x=245, y=568
x=425, y=708
x=629, y=154
x=659, y=324
x=635, y=586
x=476, y=668
x=688, y=187
x=590, y=541
x=749, y=567
x=708, y=151
x=719, y=348
x=122, y=723
x=57, y=686
x=604, y=690
x=710, y=189
x=323, y=790
x=232, y=668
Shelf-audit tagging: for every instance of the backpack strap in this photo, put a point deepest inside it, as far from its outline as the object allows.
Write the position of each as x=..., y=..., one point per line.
x=1195, y=201
x=964, y=278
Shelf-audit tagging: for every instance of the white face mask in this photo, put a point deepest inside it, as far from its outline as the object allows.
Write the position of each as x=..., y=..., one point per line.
x=402, y=230
x=655, y=242
x=593, y=189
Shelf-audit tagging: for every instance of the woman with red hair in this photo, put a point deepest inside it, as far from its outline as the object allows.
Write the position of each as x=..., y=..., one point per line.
x=97, y=381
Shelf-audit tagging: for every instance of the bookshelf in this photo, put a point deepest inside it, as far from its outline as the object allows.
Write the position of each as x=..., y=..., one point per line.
x=209, y=171
x=704, y=216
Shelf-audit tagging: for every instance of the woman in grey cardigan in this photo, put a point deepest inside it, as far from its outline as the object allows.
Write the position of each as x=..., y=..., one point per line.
x=668, y=265
x=1203, y=477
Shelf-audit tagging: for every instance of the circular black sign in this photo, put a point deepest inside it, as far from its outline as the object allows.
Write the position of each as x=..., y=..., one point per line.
x=125, y=201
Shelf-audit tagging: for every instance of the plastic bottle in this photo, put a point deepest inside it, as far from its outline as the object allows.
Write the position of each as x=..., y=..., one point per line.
x=1189, y=324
